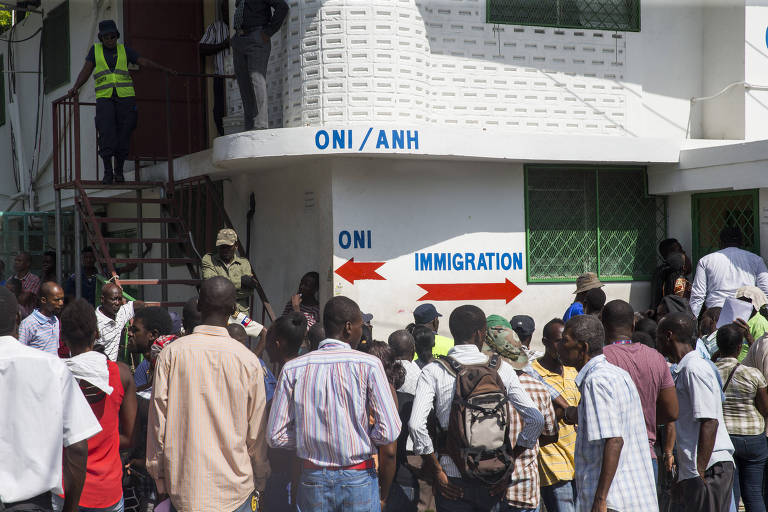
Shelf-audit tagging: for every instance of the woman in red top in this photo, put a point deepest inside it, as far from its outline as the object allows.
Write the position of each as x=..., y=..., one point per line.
x=111, y=392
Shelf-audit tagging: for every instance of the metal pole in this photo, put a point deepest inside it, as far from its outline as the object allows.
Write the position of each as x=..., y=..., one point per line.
x=58, y=236
x=78, y=268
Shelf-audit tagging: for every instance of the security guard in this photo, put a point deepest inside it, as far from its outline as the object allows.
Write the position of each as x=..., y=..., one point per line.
x=226, y=263
x=115, y=98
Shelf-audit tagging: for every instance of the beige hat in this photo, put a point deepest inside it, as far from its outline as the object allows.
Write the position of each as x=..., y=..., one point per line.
x=753, y=293
x=226, y=236
x=587, y=281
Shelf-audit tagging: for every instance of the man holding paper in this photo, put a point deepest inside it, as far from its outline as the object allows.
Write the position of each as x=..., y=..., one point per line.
x=720, y=274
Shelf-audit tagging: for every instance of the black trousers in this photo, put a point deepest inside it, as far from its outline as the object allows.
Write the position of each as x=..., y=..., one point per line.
x=115, y=121
x=219, y=104
x=40, y=503
x=711, y=494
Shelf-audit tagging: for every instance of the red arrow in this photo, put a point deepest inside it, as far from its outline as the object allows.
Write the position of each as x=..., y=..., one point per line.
x=471, y=291
x=356, y=271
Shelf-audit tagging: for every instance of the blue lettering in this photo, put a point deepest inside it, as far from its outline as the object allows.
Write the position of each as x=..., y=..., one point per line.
x=349, y=139
x=440, y=263
x=469, y=259
x=338, y=139
x=413, y=138
x=416, y=261
x=342, y=236
x=489, y=255
x=481, y=264
x=458, y=264
x=359, y=239
x=382, y=140
x=369, y=238
x=425, y=261
x=506, y=261
x=398, y=139
x=321, y=134
x=517, y=260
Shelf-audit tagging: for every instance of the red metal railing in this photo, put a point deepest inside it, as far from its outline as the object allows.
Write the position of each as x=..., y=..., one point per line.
x=68, y=133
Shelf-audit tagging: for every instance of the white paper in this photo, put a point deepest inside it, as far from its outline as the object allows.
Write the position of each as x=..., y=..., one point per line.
x=733, y=309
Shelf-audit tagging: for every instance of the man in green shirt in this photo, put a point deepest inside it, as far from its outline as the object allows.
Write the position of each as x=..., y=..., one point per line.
x=226, y=263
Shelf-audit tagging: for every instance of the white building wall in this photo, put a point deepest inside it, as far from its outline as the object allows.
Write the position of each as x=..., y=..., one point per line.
x=436, y=206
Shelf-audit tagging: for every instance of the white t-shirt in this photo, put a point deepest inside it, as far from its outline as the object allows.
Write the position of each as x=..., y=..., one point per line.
x=39, y=417
x=698, y=393
x=109, y=330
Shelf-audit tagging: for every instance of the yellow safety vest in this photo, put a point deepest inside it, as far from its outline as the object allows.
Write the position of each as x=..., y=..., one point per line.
x=106, y=79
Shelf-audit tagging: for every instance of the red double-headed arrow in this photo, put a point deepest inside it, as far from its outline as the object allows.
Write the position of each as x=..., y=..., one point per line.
x=471, y=291
x=357, y=271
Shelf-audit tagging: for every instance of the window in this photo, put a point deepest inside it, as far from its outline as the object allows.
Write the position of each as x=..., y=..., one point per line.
x=621, y=15
x=716, y=210
x=56, y=47
x=2, y=90
x=582, y=219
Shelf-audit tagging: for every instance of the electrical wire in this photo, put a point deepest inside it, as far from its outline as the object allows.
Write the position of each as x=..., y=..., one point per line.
x=22, y=40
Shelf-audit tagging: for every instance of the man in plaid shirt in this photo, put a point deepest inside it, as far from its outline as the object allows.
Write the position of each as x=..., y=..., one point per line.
x=613, y=463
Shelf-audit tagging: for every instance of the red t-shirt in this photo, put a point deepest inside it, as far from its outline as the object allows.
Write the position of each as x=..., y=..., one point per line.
x=104, y=473
x=649, y=372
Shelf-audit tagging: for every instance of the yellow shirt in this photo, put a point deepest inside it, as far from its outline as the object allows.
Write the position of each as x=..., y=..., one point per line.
x=556, y=462
x=441, y=348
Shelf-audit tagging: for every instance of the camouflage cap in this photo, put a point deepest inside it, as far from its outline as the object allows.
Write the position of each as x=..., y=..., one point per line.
x=226, y=236
x=505, y=342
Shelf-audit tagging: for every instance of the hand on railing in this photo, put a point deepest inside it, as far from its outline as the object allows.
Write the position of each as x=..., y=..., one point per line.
x=73, y=92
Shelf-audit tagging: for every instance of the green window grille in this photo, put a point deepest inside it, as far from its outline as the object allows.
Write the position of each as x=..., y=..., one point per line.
x=619, y=15
x=581, y=219
x=716, y=210
x=2, y=90
x=56, y=47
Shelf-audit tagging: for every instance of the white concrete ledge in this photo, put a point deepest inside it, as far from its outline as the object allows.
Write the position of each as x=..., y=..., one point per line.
x=265, y=148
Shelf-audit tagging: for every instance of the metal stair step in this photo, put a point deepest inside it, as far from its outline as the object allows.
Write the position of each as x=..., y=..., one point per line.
x=166, y=304
x=130, y=200
x=126, y=185
x=152, y=282
x=170, y=261
x=118, y=240
x=130, y=220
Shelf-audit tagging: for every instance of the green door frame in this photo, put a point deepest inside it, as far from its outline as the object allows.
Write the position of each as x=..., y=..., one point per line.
x=696, y=210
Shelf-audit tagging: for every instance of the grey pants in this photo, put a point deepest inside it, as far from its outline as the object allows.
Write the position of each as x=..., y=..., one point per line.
x=250, y=58
x=713, y=493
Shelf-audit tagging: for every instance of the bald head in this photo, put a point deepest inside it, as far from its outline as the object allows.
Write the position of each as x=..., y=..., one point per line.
x=403, y=344
x=217, y=301
x=618, y=320
x=51, y=298
x=681, y=326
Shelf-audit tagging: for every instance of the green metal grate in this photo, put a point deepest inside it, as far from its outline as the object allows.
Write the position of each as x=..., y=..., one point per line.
x=620, y=15
x=588, y=219
x=714, y=211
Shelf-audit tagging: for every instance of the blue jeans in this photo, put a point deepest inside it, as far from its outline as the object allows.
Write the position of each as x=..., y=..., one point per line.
x=328, y=490
x=750, y=456
x=476, y=498
x=402, y=499
x=559, y=497
x=58, y=506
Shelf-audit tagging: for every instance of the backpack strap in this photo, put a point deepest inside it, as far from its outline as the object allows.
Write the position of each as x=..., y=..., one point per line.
x=730, y=376
x=494, y=361
x=450, y=364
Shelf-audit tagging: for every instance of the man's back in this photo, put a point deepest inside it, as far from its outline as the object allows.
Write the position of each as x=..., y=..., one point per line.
x=650, y=374
x=610, y=407
x=721, y=273
x=322, y=405
x=43, y=410
x=206, y=422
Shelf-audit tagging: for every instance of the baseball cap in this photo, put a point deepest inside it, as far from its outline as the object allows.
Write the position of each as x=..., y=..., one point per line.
x=226, y=236
x=587, y=281
x=523, y=325
x=425, y=313
x=367, y=317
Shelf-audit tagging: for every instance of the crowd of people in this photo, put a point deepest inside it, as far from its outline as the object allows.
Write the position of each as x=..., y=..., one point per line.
x=623, y=410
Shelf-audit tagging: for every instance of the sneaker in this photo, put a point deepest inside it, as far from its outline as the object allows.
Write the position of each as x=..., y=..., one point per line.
x=108, y=178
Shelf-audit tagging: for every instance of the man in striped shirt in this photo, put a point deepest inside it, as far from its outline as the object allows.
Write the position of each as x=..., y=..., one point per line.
x=30, y=283
x=41, y=328
x=322, y=407
x=112, y=315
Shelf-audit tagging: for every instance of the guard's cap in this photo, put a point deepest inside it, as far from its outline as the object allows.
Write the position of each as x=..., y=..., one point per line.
x=226, y=236
x=523, y=325
x=108, y=27
x=587, y=281
x=425, y=313
x=367, y=317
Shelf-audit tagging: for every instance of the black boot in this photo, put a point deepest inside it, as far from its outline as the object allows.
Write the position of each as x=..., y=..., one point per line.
x=119, y=178
x=108, y=175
